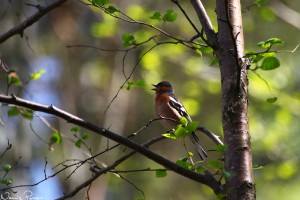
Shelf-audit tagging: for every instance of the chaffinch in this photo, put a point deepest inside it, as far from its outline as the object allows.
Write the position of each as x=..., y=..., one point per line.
x=167, y=105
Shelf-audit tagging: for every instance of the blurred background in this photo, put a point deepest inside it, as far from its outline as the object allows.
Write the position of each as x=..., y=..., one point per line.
x=83, y=81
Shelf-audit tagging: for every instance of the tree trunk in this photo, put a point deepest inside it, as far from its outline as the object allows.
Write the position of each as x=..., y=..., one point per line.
x=233, y=66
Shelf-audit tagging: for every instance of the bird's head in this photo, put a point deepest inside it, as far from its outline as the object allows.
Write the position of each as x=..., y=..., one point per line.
x=163, y=87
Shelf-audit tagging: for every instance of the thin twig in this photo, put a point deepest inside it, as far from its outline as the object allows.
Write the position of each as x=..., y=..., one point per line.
x=19, y=29
x=211, y=135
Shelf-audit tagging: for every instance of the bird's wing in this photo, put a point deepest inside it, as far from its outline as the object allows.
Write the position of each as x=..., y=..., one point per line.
x=179, y=107
x=182, y=111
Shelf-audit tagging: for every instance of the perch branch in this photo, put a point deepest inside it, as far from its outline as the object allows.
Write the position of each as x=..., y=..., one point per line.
x=206, y=179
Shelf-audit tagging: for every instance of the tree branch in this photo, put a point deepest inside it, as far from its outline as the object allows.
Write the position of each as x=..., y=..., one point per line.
x=205, y=22
x=211, y=135
x=19, y=29
x=206, y=179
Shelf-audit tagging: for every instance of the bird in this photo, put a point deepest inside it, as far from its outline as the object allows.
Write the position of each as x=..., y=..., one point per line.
x=168, y=106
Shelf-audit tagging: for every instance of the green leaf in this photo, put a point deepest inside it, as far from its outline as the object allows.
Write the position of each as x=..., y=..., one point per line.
x=128, y=39
x=228, y=175
x=214, y=61
x=190, y=154
x=192, y=126
x=56, y=138
x=220, y=196
x=6, y=167
x=170, y=16
x=156, y=16
x=201, y=169
x=221, y=148
x=184, y=163
x=13, y=111
x=27, y=113
x=274, y=41
x=215, y=164
x=270, y=42
x=138, y=83
x=100, y=2
x=198, y=51
x=180, y=131
x=85, y=136
x=112, y=9
x=271, y=100
x=36, y=75
x=205, y=49
x=6, y=181
x=78, y=143
x=75, y=129
x=169, y=135
x=183, y=120
x=161, y=173
x=256, y=167
x=261, y=1
x=257, y=58
x=270, y=63
x=263, y=45
x=268, y=54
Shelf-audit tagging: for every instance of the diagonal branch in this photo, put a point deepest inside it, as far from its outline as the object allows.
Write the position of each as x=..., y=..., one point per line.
x=206, y=179
x=205, y=22
x=19, y=29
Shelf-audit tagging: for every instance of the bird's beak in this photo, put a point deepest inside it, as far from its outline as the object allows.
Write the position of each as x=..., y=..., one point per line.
x=155, y=87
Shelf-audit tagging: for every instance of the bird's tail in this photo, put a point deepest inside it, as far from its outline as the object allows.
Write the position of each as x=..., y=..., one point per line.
x=202, y=154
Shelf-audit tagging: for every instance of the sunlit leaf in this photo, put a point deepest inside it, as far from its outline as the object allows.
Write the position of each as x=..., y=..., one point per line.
x=180, y=131
x=160, y=173
x=36, y=75
x=205, y=49
x=13, y=111
x=256, y=167
x=271, y=100
x=270, y=42
x=156, y=15
x=221, y=148
x=270, y=63
x=56, y=138
x=128, y=39
x=261, y=1
x=268, y=54
x=131, y=84
x=228, y=175
x=184, y=163
x=6, y=167
x=215, y=164
x=100, y=2
x=190, y=154
x=183, y=120
x=214, y=61
x=112, y=9
x=78, y=143
x=75, y=129
x=192, y=126
x=169, y=135
x=6, y=181
x=27, y=113
x=85, y=136
x=170, y=16
x=201, y=169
